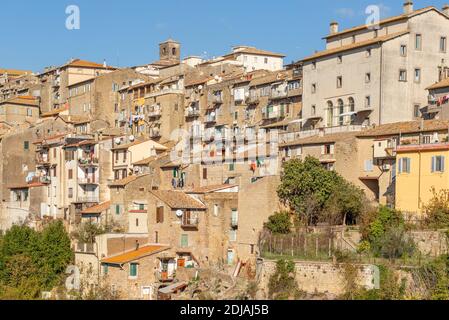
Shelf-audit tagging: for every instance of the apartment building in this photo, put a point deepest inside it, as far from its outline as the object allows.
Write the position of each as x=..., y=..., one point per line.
x=437, y=107
x=15, y=83
x=19, y=110
x=376, y=74
x=55, y=81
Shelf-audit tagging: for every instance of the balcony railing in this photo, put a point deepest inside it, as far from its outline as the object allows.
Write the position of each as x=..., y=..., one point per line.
x=189, y=221
x=192, y=113
x=87, y=162
x=45, y=179
x=252, y=100
x=210, y=119
x=278, y=94
x=87, y=181
x=88, y=199
x=154, y=114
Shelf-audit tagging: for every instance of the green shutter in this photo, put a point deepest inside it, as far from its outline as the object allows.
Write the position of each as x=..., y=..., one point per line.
x=184, y=241
x=133, y=270
x=117, y=209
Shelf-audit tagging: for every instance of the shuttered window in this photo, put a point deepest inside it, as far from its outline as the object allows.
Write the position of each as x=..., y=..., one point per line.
x=184, y=241
x=438, y=164
x=404, y=165
x=133, y=269
x=160, y=215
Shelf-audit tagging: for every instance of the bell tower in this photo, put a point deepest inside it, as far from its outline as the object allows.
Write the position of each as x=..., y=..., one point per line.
x=170, y=50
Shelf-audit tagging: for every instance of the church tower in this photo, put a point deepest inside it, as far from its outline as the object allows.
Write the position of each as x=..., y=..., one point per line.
x=170, y=50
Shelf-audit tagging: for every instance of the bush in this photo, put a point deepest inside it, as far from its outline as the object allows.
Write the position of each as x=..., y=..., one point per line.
x=437, y=210
x=282, y=284
x=279, y=223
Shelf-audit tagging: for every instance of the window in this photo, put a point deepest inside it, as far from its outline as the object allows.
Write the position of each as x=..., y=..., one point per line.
x=353, y=39
x=403, y=50
x=70, y=174
x=417, y=75
x=418, y=42
x=70, y=193
x=327, y=149
x=339, y=59
x=368, y=165
x=204, y=173
x=184, y=240
x=137, y=222
x=313, y=87
x=117, y=209
x=235, y=217
x=404, y=165
x=26, y=145
x=133, y=269
x=443, y=41
x=417, y=111
x=368, y=53
x=266, y=60
x=339, y=82
x=402, y=75
x=368, y=77
x=438, y=164
x=233, y=235
x=367, y=101
x=313, y=110
x=105, y=269
x=232, y=166
x=314, y=65
x=160, y=215
x=29, y=112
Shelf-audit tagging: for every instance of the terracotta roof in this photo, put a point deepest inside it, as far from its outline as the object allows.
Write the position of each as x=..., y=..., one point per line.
x=137, y=142
x=423, y=147
x=269, y=78
x=165, y=63
x=98, y=208
x=13, y=72
x=405, y=127
x=123, y=182
x=75, y=119
x=27, y=185
x=145, y=161
x=23, y=100
x=282, y=123
x=384, y=21
x=210, y=189
x=356, y=45
x=255, y=51
x=178, y=199
x=196, y=81
x=442, y=84
x=54, y=112
x=135, y=254
x=317, y=139
x=39, y=141
x=88, y=64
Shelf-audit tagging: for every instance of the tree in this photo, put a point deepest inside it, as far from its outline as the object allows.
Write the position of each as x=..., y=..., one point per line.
x=282, y=284
x=279, y=223
x=315, y=193
x=437, y=210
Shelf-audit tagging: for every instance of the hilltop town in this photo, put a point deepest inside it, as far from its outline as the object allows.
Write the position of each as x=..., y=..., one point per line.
x=167, y=176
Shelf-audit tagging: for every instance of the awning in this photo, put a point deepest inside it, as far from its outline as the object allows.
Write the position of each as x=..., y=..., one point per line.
x=365, y=110
x=369, y=178
x=174, y=288
x=347, y=114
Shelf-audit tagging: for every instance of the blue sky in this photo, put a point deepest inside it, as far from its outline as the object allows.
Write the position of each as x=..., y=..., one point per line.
x=125, y=33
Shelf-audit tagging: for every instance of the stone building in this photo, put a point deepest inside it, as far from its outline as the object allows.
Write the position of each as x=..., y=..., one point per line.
x=357, y=79
x=19, y=110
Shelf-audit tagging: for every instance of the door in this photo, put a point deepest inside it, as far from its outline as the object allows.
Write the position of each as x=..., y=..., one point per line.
x=230, y=257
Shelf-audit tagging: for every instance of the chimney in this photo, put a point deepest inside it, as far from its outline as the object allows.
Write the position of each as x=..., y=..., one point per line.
x=446, y=9
x=334, y=27
x=408, y=7
x=137, y=245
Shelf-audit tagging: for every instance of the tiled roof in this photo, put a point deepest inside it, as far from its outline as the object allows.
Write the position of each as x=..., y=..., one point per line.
x=54, y=112
x=75, y=119
x=317, y=139
x=145, y=161
x=423, y=147
x=165, y=63
x=57, y=136
x=23, y=100
x=269, y=78
x=196, y=81
x=255, y=51
x=27, y=185
x=98, y=208
x=123, y=182
x=128, y=145
x=406, y=127
x=135, y=254
x=13, y=72
x=88, y=64
x=210, y=189
x=384, y=21
x=442, y=84
x=356, y=45
x=178, y=199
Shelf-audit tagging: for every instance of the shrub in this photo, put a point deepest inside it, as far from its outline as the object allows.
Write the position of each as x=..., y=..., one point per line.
x=282, y=284
x=279, y=223
x=437, y=210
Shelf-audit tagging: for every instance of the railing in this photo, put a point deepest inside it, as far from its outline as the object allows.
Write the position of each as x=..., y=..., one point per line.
x=154, y=113
x=87, y=181
x=292, y=136
x=210, y=119
x=253, y=100
x=45, y=179
x=165, y=91
x=88, y=199
x=189, y=222
x=93, y=161
x=278, y=94
x=192, y=113
x=294, y=92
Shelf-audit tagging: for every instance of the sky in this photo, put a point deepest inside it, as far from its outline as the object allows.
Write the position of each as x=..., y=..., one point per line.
x=33, y=34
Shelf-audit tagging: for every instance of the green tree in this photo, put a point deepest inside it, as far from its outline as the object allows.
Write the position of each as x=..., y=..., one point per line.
x=282, y=284
x=279, y=223
x=437, y=210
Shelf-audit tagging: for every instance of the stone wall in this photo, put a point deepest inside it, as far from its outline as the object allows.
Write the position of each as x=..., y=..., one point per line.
x=431, y=243
x=319, y=277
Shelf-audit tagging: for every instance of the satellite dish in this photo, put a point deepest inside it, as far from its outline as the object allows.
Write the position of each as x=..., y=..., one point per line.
x=212, y=114
x=179, y=213
x=190, y=109
x=117, y=141
x=217, y=77
x=200, y=87
x=132, y=138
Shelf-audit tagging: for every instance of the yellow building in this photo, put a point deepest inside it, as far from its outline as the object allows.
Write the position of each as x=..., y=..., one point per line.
x=419, y=169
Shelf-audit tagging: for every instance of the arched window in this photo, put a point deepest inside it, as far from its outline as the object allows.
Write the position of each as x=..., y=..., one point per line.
x=351, y=103
x=341, y=110
x=330, y=114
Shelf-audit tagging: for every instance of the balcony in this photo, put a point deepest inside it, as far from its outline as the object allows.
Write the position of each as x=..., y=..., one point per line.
x=45, y=180
x=273, y=115
x=252, y=100
x=155, y=133
x=154, y=114
x=87, y=181
x=163, y=92
x=294, y=92
x=192, y=113
x=275, y=94
x=88, y=199
x=42, y=161
x=165, y=276
x=209, y=119
x=189, y=221
x=88, y=162
x=217, y=99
